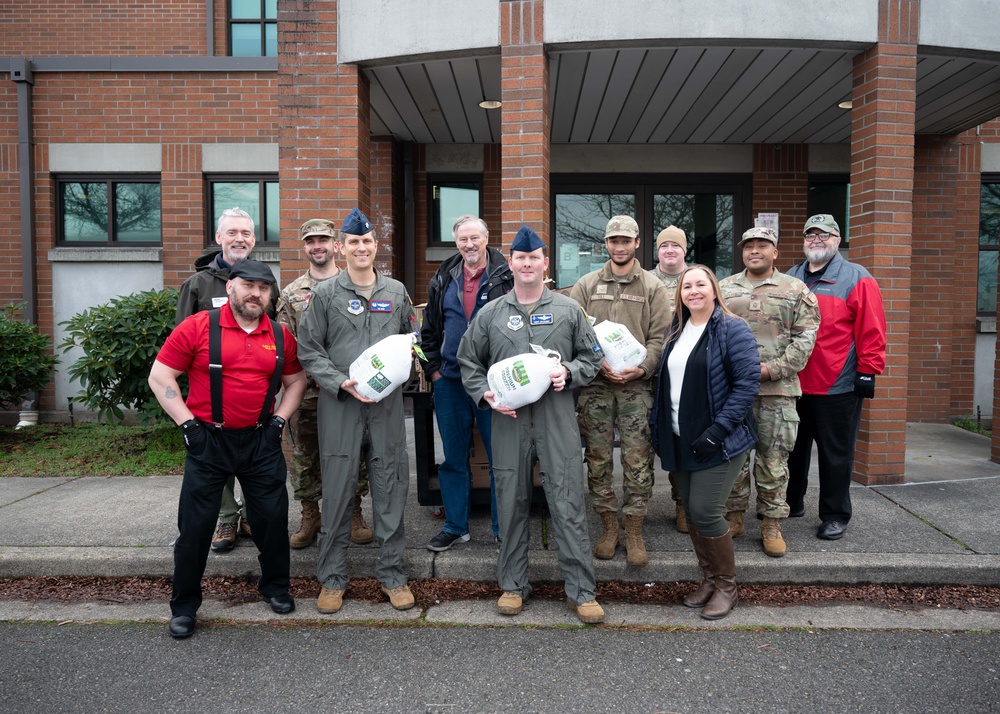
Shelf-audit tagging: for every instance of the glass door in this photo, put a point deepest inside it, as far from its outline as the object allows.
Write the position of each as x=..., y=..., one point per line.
x=712, y=210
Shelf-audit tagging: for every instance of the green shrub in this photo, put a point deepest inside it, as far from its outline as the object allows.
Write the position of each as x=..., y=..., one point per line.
x=26, y=359
x=120, y=341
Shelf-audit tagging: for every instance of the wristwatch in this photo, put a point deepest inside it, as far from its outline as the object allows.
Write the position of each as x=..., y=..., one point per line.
x=278, y=421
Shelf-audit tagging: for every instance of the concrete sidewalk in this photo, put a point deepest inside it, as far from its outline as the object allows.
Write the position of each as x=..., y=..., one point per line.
x=940, y=527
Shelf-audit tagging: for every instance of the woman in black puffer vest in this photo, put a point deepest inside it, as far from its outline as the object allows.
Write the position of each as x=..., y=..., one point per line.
x=702, y=424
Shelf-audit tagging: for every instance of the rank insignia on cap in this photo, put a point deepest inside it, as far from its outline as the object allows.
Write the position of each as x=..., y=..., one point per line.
x=543, y=319
x=355, y=307
x=380, y=306
x=515, y=322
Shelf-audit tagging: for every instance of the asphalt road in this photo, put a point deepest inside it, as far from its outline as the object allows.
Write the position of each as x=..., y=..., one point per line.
x=46, y=667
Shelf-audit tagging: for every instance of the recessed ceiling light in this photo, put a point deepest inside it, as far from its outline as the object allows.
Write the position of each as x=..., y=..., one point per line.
x=846, y=105
x=490, y=104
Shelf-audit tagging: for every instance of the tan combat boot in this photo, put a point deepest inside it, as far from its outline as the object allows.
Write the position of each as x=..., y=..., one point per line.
x=770, y=534
x=360, y=532
x=510, y=604
x=606, y=544
x=634, y=547
x=330, y=600
x=589, y=613
x=308, y=528
x=735, y=521
x=682, y=520
x=400, y=598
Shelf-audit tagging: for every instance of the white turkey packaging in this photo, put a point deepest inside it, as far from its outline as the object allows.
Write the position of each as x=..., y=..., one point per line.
x=522, y=379
x=621, y=349
x=384, y=367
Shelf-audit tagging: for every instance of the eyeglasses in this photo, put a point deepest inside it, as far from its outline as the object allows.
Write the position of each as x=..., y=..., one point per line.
x=813, y=237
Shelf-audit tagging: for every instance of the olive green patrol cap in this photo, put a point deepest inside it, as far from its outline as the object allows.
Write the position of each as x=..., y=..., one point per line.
x=823, y=221
x=761, y=233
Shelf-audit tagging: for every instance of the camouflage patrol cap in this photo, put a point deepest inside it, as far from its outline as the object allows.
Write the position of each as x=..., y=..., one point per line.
x=622, y=226
x=759, y=232
x=823, y=221
x=674, y=235
x=318, y=227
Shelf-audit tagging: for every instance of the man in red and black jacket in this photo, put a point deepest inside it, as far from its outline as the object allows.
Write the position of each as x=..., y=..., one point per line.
x=840, y=373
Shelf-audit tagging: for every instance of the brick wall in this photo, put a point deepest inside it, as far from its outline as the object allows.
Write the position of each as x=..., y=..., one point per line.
x=781, y=185
x=525, y=123
x=386, y=212
x=324, y=157
x=11, y=287
x=884, y=97
x=937, y=316
x=183, y=211
x=59, y=28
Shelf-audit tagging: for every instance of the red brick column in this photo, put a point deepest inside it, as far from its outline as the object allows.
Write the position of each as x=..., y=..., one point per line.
x=966, y=244
x=781, y=185
x=525, y=126
x=323, y=142
x=386, y=202
x=182, y=196
x=882, y=126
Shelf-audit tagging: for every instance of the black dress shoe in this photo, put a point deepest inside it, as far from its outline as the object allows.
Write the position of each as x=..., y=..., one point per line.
x=281, y=604
x=794, y=512
x=181, y=626
x=831, y=530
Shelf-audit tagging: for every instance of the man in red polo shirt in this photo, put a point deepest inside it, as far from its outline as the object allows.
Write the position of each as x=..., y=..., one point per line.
x=245, y=441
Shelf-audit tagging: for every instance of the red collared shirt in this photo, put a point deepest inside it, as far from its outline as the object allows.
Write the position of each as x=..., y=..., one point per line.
x=247, y=365
x=470, y=288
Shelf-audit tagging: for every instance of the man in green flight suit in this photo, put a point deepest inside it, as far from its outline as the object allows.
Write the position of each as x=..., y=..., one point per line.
x=346, y=316
x=547, y=429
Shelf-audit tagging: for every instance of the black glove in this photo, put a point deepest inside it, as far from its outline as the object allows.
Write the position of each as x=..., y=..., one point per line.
x=274, y=428
x=708, y=444
x=864, y=385
x=193, y=433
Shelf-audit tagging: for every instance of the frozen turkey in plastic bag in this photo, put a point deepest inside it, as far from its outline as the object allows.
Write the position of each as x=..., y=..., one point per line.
x=621, y=350
x=522, y=379
x=384, y=367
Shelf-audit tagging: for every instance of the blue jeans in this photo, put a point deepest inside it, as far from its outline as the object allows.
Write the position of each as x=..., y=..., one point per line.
x=455, y=411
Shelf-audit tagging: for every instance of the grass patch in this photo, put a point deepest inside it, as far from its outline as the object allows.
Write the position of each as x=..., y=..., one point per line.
x=91, y=450
x=971, y=424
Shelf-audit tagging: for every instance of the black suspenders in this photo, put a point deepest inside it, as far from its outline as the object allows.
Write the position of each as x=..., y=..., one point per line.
x=215, y=367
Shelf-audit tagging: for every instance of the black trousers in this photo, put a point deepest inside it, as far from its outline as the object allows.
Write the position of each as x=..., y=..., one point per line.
x=832, y=421
x=255, y=456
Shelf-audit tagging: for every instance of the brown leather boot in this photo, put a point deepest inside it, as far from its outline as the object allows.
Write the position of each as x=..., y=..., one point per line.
x=309, y=526
x=360, y=532
x=735, y=521
x=606, y=544
x=703, y=592
x=770, y=534
x=634, y=547
x=682, y=520
x=722, y=560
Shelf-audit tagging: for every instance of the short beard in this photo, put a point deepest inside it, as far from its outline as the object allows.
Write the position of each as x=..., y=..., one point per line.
x=824, y=256
x=247, y=310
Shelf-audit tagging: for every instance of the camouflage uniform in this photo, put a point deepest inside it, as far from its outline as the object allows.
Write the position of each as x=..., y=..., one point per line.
x=670, y=283
x=639, y=303
x=303, y=469
x=784, y=318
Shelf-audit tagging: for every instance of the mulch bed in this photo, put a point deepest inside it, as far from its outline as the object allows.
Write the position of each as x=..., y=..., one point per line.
x=236, y=591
